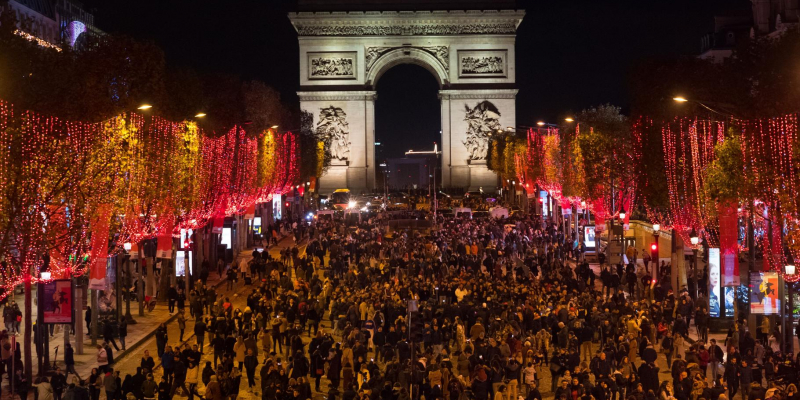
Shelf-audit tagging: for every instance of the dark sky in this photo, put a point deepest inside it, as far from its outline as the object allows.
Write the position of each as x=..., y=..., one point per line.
x=571, y=54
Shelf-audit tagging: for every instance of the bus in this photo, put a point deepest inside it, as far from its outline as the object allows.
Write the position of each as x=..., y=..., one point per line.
x=340, y=198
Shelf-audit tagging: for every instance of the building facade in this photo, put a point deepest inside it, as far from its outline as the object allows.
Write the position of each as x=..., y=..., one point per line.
x=767, y=18
x=344, y=52
x=53, y=22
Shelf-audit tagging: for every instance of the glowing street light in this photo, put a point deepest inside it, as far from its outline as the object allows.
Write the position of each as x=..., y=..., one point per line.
x=127, y=246
x=656, y=228
x=273, y=127
x=200, y=115
x=693, y=237
x=622, y=213
x=45, y=275
x=569, y=119
x=789, y=269
x=144, y=107
x=680, y=99
x=540, y=123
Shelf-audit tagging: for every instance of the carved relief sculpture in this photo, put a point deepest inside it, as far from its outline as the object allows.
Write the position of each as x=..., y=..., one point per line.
x=331, y=67
x=482, y=120
x=482, y=63
x=333, y=128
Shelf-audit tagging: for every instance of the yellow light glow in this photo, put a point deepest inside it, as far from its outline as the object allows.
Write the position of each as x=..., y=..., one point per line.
x=200, y=115
x=145, y=107
x=568, y=119
x=680, y=99
x=540, y=123
x=274, y=127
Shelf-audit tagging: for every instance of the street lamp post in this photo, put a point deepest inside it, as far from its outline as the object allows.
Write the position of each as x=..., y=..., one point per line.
x=654, y=255
x=788, y=338
x=41, y=327
x=695, y=240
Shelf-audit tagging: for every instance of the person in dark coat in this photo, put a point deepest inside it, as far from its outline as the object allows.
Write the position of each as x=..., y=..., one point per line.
x=648, y=374
x=69, y=361
x=335, y=366
x=108, y=334
x=250, y=364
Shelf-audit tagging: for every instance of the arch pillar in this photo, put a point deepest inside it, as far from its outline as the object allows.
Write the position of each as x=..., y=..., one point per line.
x=349, y=115
x=488, y=108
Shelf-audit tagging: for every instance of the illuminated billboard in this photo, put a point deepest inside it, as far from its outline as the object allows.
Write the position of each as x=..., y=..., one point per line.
x=764, y=297
x=713, y=283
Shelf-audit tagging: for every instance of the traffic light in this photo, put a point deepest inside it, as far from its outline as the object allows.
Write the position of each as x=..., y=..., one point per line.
x=654, y=252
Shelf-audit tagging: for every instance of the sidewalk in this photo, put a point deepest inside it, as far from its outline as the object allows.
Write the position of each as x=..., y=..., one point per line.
x=143, y=328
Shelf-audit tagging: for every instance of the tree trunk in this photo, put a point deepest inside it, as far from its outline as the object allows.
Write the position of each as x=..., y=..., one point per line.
x=26, y=347
x=166, y=273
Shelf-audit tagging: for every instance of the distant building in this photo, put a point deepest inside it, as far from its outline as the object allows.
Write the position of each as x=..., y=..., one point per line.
x=414, y=171
x=53, y=23
x=767, y=18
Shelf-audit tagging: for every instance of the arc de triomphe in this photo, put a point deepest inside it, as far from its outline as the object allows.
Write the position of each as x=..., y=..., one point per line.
x=343, y=54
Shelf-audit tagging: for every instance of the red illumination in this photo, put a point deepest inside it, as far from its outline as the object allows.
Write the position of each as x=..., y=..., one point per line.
x=653, y=247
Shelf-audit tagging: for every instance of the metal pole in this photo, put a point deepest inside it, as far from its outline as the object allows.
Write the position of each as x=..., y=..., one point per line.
x=788, y=336
x=140, y=288
x=11, y=377
x=78, y=312
x=95, y=312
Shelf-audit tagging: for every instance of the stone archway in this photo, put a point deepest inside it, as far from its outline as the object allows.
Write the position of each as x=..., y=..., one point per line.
x=386, y=58
x=344, y=54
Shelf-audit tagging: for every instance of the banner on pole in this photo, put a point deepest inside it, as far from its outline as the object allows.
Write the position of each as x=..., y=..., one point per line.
x=56, y=306
x=99, y=254
x=219, y=221
x=164, y=249
x=251, y=212
x=729, y=243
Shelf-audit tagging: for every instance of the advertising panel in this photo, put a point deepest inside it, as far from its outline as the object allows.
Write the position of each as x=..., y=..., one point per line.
x=713, y=283
x=588, y=237
x=730, y=295
x=57, y=302
x=764, y=293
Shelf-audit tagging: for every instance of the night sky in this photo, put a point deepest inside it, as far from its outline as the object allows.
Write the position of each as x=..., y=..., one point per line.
x=571, y=54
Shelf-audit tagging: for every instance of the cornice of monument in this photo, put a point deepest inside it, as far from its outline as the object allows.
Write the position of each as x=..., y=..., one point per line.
x=478, y=94
x=342, y=95
x=406, y=23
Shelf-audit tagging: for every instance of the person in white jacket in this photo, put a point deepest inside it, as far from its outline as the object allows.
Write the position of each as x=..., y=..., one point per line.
x=44, y=390
x=192, y=378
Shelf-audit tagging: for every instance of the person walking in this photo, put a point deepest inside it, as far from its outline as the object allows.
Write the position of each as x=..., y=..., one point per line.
x=161, y=339
x=250, y=364
x=122, y=330
x=69, y=360
x=200, y=328
x=108, y=333
x=181, y=323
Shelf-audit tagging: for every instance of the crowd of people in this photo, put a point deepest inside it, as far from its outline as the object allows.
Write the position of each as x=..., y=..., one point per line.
x=475, y=309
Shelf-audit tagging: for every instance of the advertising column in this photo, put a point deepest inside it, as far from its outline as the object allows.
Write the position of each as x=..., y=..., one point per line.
x=714, y=304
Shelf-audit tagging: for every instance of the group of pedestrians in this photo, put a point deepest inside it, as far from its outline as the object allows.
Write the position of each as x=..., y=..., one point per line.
x=478, y=308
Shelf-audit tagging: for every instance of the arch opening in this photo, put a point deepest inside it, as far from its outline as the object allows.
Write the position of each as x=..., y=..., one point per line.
x=407, y=117
x=407, y=56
